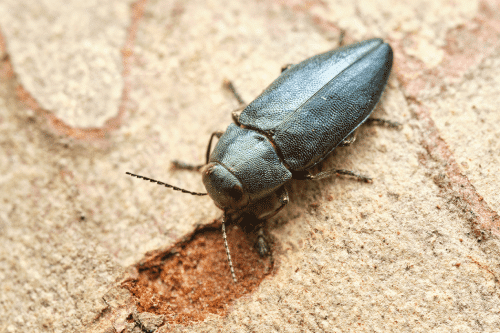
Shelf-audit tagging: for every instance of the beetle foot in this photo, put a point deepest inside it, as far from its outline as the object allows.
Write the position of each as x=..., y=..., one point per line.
x=261, y=244
x=262, y=247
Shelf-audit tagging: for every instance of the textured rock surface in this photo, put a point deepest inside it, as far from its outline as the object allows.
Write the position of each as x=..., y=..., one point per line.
x=89, y=91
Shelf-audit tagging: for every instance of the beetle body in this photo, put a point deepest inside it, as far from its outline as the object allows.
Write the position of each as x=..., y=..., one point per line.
x=309, y=110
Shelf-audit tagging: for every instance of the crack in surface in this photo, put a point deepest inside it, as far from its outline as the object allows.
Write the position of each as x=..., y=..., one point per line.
x=58, y=126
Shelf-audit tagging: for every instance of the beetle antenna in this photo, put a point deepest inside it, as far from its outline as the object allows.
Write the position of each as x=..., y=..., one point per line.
x=227, y=248
x=166, y=185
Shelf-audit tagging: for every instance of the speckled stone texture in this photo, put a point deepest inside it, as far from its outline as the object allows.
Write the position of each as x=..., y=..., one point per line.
x=90, y=90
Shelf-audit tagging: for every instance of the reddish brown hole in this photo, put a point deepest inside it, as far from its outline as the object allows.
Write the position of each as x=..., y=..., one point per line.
x=192, y=279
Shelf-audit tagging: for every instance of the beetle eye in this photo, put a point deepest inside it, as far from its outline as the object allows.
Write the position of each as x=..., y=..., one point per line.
x=236, y=193
x=223, y=187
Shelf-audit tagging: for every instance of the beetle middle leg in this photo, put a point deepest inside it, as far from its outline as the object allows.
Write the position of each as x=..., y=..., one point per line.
x=192, y=167
x=349, y=140
x=229, y=85
x=236, y=113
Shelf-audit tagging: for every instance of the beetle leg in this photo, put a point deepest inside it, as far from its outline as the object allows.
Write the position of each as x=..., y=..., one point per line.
x=261, y=244
x=282, y=192
x=341, y=42
x=217, y=134
x=285, y=67
x=283, y=200
x=329, y=173
x=192, y=167
x=229, y=85
x=236, y=114
x=186, y=166
x=341, y=37
x=348, y=141
x=379, y=121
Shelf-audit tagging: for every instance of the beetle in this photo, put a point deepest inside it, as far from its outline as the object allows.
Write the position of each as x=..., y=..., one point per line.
x=309, y=110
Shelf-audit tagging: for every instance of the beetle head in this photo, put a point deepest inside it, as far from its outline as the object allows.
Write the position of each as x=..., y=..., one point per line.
x=224, y=188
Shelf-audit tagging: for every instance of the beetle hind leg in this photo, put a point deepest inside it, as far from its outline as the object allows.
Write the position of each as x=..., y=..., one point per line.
x=341, y=37
x=341, y=43
x=383, y=122
x=325, y=174
x=349, y=140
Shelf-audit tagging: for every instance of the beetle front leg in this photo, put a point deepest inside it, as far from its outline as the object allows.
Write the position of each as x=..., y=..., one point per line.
x=217, y=134
x=192, y=167
x=283, y=200
x=261, y=243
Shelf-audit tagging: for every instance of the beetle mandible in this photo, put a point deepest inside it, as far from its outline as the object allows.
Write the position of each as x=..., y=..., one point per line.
x=309, y=110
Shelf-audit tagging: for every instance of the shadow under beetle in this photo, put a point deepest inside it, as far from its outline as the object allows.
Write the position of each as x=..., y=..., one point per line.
x=309, y=110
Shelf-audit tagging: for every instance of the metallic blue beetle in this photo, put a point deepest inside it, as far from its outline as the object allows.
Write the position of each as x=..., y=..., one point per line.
x=309, y=110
